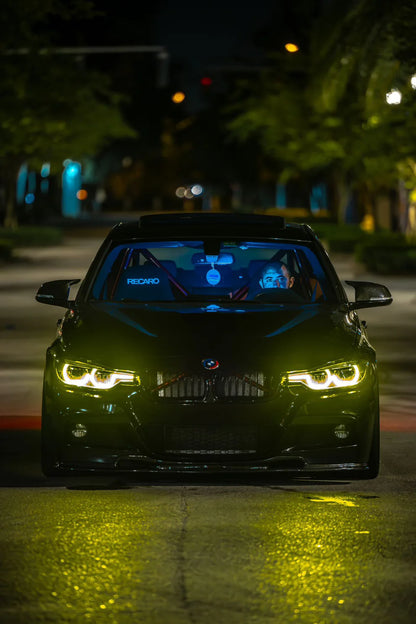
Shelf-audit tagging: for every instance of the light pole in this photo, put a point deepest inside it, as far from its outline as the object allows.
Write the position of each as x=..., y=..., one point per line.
x=161, y=52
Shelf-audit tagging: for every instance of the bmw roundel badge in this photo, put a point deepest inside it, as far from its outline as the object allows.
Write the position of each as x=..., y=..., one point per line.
x=210, y=364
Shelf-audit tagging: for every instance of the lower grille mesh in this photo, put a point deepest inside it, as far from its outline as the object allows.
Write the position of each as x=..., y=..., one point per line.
x=211, y=440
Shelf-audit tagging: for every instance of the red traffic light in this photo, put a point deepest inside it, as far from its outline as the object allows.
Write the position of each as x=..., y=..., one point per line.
x=206, y=81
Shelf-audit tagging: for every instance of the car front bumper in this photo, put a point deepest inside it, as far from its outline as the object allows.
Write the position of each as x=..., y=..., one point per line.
x=295, y=431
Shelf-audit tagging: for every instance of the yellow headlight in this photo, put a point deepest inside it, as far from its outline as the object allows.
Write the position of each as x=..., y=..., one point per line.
x=84, y=376
x=336, y=376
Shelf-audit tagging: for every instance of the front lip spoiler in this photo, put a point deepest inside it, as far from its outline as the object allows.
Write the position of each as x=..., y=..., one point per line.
x=134, y=464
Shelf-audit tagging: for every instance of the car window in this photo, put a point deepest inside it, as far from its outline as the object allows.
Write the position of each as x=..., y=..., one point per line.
x=212, y=270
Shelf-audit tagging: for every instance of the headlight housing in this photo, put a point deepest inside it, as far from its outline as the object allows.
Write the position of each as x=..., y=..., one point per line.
x=88, y=376
x=336, y=375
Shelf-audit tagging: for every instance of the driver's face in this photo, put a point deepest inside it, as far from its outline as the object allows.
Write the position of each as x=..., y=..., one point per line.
x=273, y=278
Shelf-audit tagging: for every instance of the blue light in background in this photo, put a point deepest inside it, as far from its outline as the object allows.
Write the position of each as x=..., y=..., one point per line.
x=45, y=170
x=318, y=198
x=21, y=184
x=30, y=198
x=31, y=182
x=73, y=170
x=281, y=200
x=44, y=186
x=71, y=184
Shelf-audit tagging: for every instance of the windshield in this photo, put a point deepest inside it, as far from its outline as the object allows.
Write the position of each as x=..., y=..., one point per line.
x=211, y=270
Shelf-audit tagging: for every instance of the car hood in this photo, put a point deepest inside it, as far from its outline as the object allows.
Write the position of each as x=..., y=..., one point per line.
x=135, y=336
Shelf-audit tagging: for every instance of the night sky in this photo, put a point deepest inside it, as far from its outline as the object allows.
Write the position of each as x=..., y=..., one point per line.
x=210, y=33
x=203, y=38
x=197, y=35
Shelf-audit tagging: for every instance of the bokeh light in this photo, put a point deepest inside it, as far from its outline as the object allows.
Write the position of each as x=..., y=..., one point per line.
x=393, y=97
x=197, y=189
x=291, y=47
x=178, y=97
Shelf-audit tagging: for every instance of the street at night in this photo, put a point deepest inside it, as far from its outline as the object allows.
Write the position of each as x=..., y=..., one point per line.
x=200, y=549
x=173, y=178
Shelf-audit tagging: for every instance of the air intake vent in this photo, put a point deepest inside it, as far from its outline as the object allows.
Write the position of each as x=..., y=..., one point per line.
x=211, y=440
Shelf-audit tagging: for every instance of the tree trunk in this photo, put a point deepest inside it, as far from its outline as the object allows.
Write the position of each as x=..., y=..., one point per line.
x=341, y=196
x=10, y=219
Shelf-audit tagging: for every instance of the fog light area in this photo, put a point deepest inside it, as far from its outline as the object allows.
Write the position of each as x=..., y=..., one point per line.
x=80, y=431
x=341, y=432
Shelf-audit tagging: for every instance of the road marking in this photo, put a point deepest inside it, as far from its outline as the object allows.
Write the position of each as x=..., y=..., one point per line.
x=20, y=423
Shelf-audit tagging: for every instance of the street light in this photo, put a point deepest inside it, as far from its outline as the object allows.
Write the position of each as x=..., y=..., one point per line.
x=178, y=97
x=394, y=97
x=161, y=53
x=291, y=47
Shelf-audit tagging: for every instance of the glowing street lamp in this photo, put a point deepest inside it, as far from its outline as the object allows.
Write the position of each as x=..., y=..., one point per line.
x=394, y=97
x=291, y=47
x=178, y=97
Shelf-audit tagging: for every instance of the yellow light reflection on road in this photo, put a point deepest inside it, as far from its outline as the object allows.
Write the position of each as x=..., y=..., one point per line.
x=335, y=500
x=102, y=561
x=309, y=550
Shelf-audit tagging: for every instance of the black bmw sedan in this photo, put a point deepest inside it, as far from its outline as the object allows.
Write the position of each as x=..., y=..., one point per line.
x=211, y=343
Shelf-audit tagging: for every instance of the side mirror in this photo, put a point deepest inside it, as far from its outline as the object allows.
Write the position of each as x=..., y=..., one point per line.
x=369, y=294
x=56, y=293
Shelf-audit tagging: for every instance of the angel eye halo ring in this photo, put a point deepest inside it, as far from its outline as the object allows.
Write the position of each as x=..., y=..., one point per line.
x=86, y=376
x=334, y=376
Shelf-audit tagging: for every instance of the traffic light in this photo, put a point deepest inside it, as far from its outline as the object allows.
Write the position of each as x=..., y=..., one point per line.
x=206, y=81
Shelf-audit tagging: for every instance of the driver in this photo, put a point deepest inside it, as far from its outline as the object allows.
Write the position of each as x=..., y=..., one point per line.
x=276, y=275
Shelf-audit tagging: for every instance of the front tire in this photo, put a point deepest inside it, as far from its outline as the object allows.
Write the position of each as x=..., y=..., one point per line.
x=374, y=457
x=49, y=448
x=49, y=458
x=372, y=471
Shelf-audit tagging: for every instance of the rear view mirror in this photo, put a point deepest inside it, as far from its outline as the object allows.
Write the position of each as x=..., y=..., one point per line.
x=222, y=259
x=369, y=294
x=56, y=292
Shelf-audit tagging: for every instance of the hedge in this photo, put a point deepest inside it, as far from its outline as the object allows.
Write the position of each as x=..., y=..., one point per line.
x=31, y=236
x=388, y=255
x=340, y=238
x=6, y=249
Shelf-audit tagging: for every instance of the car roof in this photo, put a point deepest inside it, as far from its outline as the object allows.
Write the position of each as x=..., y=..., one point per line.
x=200, y=225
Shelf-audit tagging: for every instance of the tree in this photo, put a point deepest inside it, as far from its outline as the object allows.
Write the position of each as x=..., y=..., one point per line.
x=323, y=113
x=358, y=60
x=51, y=107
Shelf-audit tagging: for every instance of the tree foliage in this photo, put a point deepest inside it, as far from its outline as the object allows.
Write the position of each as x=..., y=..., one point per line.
x=323, y=112
x=51, y=106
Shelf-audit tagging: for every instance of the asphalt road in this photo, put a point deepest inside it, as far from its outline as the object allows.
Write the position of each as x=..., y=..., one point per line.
x=201, y=554
x=200, y=550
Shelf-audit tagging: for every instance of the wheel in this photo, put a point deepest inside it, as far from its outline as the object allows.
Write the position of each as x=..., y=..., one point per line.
x=49, y=458
x=49, y=449
x=374, y=457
